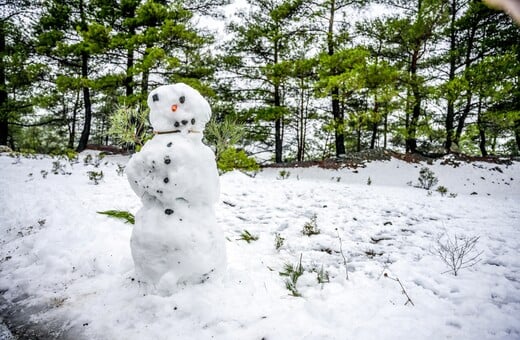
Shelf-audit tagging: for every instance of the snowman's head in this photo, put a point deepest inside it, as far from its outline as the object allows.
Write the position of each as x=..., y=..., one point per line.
x=178, y=108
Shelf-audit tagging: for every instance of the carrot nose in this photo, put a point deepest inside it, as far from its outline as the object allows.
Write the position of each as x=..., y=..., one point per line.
x=174, y=107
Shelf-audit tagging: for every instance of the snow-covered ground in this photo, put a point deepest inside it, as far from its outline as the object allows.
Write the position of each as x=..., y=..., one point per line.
x=69, y=269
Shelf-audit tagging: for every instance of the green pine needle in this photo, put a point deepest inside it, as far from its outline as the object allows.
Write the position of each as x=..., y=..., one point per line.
x=120, y=214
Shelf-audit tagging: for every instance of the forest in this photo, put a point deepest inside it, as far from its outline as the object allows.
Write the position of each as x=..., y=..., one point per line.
x=288, y=80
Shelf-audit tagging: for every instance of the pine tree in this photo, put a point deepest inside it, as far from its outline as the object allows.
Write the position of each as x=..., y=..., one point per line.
x=68, y=36
x=477, y=82
x=17, y=70
x=413, y=35
x=329, y=11
x=263, y=40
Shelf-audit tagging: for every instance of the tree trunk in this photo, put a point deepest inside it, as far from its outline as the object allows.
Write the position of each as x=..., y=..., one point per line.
x=72, y=133
x=385, y=131
x=450, y=114
x=129, y=80
x=301, y=123
x=411, y=138
x=277, y=128
x=85, y=134
x=469, y=94
x=375, y=125
x=337, y=113
x=517, y=135
x=358, y=139
x=481, y=130
x=278, y=138
x=4, y=122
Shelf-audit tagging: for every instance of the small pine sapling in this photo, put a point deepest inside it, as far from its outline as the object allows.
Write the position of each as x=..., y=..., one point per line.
x=283, y=174
x=278, y=241
x=322, y=276
x=292, y=273
x=442, y=190
x=311, y=227
x=247, y=236
x=99, y=158
x=58, y=168
x=95, y=176
x=427, y=178
x=87, y=159
x=120, y=170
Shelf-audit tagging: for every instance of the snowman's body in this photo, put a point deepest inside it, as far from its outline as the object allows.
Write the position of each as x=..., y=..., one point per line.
x=176, y=238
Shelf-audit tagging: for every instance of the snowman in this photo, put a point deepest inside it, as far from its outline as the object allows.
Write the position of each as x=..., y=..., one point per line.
x=176, y=239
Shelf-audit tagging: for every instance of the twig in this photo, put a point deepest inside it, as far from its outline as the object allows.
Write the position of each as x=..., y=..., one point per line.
x=342, y=254
x=458, y=253
x=402, y=289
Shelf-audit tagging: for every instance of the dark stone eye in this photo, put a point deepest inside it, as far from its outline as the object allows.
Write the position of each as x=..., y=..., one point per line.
x=168, y=211
x=169, y=144
x=166, y=180
x=167, y=160
x=193, y=121
x=155, y=97
x=182, y=99
x=176, y=124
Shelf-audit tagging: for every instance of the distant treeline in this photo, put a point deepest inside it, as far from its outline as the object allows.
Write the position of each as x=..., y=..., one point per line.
x=305, y=79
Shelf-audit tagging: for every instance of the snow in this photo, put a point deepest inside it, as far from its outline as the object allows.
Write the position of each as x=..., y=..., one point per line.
x=73, y=268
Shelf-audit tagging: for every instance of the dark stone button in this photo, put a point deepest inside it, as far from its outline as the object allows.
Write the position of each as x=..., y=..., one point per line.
x=168, y=211
x=166, y=180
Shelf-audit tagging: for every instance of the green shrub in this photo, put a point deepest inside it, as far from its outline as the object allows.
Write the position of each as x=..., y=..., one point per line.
x=232, y=158
x=58, y=167
x=427, y=178
x=311, y=227
x=283, y=174
x=128, y=126
x=223, y=135
x=69, y=154
x=442, y=190
x=95, y=176
x=278, y=241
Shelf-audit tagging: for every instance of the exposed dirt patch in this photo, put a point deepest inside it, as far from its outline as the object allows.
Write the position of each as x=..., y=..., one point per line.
x=360, y=159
